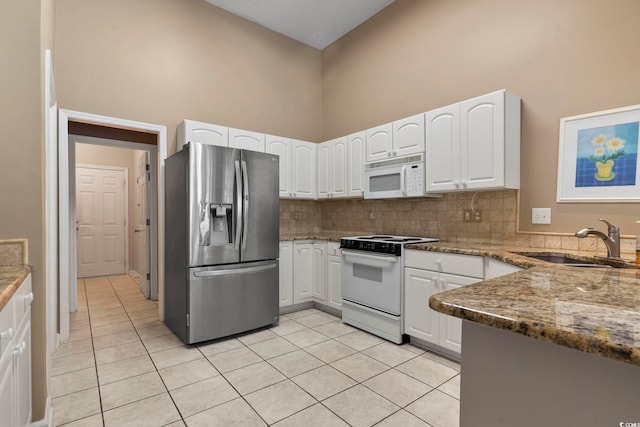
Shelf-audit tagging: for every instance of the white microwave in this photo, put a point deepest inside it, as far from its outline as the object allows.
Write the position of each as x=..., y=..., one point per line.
x=395, y=178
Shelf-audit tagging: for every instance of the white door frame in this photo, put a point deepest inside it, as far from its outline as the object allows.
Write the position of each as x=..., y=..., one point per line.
x=67, y=244
x=125, y=171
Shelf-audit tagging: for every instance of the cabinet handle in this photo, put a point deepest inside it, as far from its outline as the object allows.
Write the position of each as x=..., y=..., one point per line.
x=464, y=184
x=8, y=334
x=439, y=264
x=28, y=299
x=19, y=351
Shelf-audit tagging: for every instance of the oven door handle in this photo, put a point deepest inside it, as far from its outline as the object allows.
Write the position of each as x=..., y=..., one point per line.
x=367, y=256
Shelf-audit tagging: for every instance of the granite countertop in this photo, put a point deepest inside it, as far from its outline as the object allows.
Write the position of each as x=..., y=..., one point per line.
x=11, y=277
x=329, y=237
x=595, y=310
x=13, y=267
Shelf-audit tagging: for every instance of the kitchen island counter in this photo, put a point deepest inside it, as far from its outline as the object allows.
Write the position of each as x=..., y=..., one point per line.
x=595, y=310
x=574, y=358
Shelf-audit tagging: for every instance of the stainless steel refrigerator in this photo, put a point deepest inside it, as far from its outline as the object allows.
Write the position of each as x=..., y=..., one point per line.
x=222, y=218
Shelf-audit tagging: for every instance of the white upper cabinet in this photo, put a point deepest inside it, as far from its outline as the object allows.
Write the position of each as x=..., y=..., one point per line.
x=355, y=164
x=304, y=169
x=443, y=148
x=408, y=136
x=332, y=168
x=398, y=139
x=204, y=133
x=246, y=140
x=474, y=144
x=323, y=156
x=282, y=148
x=379, y=144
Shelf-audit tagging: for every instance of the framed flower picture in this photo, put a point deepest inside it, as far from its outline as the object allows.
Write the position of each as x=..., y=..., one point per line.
x=598, y=160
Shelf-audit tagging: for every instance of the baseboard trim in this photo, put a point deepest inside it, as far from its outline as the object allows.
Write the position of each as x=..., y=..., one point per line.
x=47, y=421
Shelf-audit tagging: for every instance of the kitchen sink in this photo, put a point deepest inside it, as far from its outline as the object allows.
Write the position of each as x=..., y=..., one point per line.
x=564, y=260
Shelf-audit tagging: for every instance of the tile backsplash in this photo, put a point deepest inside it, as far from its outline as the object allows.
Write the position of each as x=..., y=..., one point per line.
x=441, y=218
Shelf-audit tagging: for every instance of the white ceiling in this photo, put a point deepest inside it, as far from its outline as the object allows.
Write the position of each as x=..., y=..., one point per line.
x=316, y=23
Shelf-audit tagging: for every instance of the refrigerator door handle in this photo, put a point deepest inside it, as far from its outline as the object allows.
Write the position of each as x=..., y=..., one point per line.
x=227, y=272
x=245, y=207
x=236, y=242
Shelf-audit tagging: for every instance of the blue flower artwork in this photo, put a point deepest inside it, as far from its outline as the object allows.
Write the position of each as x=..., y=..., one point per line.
x=607, y=156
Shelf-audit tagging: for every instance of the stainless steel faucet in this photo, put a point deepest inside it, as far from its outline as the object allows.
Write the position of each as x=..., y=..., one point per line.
x=611, y=239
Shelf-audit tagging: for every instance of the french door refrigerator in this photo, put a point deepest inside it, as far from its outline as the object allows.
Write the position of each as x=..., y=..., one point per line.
x=222, y=217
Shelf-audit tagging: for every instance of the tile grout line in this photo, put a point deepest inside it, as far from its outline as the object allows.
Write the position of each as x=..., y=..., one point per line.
x=151, y=359
x=95, y=361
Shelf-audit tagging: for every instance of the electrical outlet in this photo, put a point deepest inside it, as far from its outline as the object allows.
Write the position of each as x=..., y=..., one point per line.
x=541, y=216
x=471, y=216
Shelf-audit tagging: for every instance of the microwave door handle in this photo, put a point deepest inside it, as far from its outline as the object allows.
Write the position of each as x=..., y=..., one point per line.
x=236, y=243
x=245, y=207
x=403, y=180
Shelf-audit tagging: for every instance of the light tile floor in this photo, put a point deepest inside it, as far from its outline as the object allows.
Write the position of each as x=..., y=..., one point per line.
x=122, y=367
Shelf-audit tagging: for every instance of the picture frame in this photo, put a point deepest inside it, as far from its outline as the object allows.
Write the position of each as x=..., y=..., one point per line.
x=598, y=158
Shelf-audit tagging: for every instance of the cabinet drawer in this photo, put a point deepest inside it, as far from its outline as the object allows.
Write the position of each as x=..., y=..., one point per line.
x=464, y=265
x=22, y=300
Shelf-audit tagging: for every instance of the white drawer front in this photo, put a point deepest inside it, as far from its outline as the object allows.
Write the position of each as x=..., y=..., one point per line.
x=464, y=265
x=333, y=248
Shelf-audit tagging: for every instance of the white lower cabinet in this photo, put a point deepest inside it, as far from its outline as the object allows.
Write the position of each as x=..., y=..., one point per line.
x=285, y=267
x=310, y=271
x=319, y=271
x=436, y=275
x=302, y=267
x=334, y=281
x=15, y=358
x=426, y=324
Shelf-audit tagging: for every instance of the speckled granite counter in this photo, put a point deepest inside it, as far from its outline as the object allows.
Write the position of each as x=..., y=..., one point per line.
x=592, y=310
x=13, y=268
x=320, y=236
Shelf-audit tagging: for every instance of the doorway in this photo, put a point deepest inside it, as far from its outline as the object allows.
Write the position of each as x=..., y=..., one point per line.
x=77, y=127
x=102, y=228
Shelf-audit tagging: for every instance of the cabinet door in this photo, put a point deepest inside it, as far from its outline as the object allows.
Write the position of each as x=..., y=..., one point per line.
x=319, y=271
x=246, y=140
x=282, y=148
x=338, y=162
x=323, y=155
x=408, y=136
x=7, y=396
x=451, y=327
x=355, y=164
x=442, y=146
x=334, y=281
x=204, y=133
x=419, y=320
x=22, y=373
x=482, y=141
x=286, y=273
x=304, y=170
x=302, y=271
x=379, y=144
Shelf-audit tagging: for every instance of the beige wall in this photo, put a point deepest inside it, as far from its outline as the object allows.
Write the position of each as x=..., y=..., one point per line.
x=562, y=57
x=89, y=154
x=161, y=61
x=26, y=29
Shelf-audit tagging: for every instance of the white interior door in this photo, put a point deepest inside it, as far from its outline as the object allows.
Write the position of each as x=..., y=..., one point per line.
x=100, y=221
x=142, y=222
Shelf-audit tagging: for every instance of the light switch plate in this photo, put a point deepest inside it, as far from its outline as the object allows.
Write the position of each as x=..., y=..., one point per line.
x=541, y=216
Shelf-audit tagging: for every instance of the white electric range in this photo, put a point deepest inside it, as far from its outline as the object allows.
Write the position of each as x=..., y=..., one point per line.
x=373, y=283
